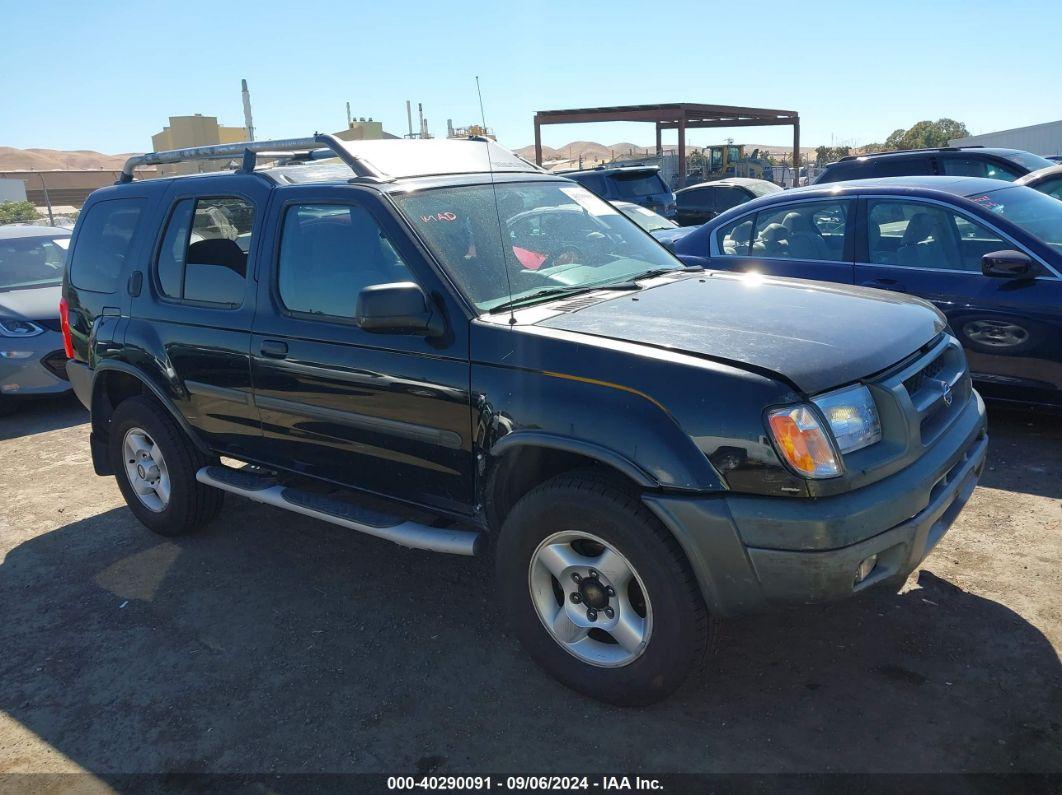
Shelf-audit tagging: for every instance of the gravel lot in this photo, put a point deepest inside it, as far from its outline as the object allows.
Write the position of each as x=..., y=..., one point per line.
x=275, y=643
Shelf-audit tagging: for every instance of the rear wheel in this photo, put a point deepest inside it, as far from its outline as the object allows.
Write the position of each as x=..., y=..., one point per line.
x=601, y=594
x=155, y=465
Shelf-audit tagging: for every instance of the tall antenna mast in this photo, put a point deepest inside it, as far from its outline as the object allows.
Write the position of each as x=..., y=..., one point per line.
x=482, y=115
x=247, y=121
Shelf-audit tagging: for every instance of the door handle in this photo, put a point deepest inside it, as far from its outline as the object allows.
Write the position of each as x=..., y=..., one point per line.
x=885, y=284
x=274, y=349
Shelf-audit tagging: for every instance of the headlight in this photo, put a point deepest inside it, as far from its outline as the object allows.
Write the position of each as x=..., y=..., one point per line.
x=19, y=328
x=852, y=416
x=813, y=449
x=803, y=442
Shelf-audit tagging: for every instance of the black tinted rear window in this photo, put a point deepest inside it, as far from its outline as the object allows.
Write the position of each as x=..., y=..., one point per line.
x=638, y=184
x=903, y=167
x=103, y=244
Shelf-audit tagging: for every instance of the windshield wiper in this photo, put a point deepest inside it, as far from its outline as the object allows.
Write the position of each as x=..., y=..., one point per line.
x=557, y=292
x=632, y=282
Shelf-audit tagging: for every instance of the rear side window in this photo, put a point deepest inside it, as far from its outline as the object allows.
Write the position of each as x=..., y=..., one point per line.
x=978, y=167
x=328, y=254
x=807, y=231
x=730, y=197
x=695, y=198
x=903, y=167
x=103, y=244
x=203, y=256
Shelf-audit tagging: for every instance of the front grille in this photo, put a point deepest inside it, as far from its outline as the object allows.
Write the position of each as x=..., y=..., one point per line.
x=55, y=363
x=938, y=387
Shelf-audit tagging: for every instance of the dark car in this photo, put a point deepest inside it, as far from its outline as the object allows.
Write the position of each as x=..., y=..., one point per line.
x=639, y=184
x=986, y=254
x=642, y=444
x=968, y=161
x=1046, y=180
x=32, y=359
x=700, y=203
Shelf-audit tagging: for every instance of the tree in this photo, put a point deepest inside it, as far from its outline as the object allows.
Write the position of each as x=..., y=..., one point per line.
x=926, y=135
x=11, y=212
x=829, y=154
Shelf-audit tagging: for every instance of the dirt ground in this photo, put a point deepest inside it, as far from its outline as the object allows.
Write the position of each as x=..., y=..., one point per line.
x=274, y=643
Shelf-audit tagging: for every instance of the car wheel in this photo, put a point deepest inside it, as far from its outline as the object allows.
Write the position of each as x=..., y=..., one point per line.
x=155, y=464
x=601, y=595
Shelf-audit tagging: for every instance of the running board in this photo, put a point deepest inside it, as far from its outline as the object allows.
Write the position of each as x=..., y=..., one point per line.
x=265, y=489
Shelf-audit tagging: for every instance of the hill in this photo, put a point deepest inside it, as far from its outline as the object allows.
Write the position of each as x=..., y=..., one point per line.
x=12, y=159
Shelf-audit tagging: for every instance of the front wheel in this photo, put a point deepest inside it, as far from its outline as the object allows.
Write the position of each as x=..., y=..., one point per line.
x=155, y=464
x=601, y=594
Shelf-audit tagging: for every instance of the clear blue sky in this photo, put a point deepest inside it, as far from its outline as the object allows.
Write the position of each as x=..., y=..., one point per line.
x=105, y=75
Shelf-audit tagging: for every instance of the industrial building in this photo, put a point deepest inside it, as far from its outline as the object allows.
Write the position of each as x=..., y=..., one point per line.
x=1040, y=139
x=198, y=130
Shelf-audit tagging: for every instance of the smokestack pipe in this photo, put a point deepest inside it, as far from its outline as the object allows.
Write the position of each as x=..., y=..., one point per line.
x=247, y=121
x=409, y=117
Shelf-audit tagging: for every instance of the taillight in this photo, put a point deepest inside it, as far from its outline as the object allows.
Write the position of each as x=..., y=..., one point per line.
x=64, y=324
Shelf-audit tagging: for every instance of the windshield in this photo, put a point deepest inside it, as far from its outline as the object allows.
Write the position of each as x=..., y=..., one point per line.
x=638, y=183
x=32, y=262
x=763, y=187
x=645, y=218
x=1037, y=213
x=1029, y=160
x=537, y=239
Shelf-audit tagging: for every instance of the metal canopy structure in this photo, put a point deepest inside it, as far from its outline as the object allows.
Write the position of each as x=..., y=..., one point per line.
x=679, y=116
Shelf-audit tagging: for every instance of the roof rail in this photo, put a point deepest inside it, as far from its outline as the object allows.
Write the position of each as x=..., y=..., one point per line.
x=909, y=151
x=317, y=147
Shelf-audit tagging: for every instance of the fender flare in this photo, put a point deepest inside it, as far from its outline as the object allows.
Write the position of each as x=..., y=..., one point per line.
x=566, y=444
x=166, y=401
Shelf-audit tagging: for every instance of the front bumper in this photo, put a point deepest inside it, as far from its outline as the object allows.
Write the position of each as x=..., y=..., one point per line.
x=36, y=373
x=754, y=553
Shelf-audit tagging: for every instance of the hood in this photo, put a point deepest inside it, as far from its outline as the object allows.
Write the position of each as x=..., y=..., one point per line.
x=37, y=303
x=815, y=335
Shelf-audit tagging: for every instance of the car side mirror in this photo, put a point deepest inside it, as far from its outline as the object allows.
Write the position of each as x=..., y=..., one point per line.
x=397, y=308
x=1009, y=264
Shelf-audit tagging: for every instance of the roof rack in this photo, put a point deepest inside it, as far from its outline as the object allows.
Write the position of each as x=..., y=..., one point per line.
x=320, y=146
x=909, y=151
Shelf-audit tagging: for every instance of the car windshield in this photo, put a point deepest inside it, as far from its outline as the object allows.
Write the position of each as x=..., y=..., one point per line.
x=27, y=262
x=1029, y=160
x=645, y=218
x=1037, y=213
x=524, y=241
x=763, y=187
x=633, y=184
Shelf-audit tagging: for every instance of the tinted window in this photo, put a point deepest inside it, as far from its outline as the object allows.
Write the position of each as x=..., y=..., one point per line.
x=204, y=251
x=328, y=254
x=638, y=183
x=916, y=235
x=103, y=244
x=733, y=239
x=978, y=167
x=695, y=198
x=808, y=230
x=843, y=171
x=595, y=183
x=902, y=167
x=725, y=198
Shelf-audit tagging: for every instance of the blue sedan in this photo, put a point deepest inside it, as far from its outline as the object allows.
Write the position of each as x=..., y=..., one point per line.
x=987, y=254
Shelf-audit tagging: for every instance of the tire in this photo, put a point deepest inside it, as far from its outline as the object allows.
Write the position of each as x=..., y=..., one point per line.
x=140, y=424
x=558, y=516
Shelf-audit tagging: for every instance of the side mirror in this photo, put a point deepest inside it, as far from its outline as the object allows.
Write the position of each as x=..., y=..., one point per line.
x=1009, y=265
x=397, y=308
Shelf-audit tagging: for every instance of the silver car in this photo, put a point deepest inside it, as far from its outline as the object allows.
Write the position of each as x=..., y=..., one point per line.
x=32, y=359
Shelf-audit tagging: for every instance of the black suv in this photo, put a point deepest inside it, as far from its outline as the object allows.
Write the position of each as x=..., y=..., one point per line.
x=967, y=161
x=638, y=184
x=397, y=345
